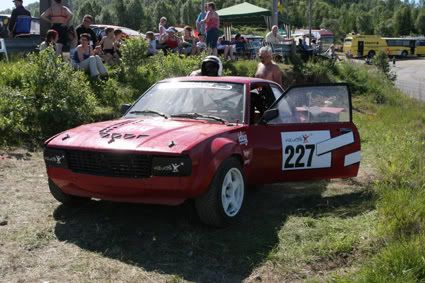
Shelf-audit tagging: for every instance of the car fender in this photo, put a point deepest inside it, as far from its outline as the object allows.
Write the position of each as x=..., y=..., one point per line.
x=219, y=149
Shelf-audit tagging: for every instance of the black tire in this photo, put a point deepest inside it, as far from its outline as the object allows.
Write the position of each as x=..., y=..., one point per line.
x=404, y=54
x=65, y=199
x=371, y=54
x=210, y=205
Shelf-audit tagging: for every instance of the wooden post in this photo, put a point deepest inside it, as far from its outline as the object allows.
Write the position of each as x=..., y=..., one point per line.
x=44, y=5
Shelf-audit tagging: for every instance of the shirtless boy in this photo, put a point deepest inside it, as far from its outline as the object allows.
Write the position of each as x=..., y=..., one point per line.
x=268, y=69
x=107, y=44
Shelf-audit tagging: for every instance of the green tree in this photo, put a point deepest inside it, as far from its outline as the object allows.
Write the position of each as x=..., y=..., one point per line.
x=403, y=21
x=188, y=13
x=120, y=12
x=135, y=15
x=420, y=23
x=385, y=28
x=364, y=23
x=105, y=17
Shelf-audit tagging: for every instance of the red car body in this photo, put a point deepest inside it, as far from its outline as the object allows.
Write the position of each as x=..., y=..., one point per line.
x=262, y=149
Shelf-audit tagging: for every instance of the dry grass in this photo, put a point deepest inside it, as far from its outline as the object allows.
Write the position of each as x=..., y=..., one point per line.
x=289, y=232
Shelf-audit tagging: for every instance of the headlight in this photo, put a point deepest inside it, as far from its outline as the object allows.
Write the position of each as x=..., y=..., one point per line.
x=55, y=158
x=172, y=166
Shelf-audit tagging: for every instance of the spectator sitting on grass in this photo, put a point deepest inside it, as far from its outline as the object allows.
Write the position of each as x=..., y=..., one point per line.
x=201, y=44
x=188, y=42
x=86, y=59
x=240, y=44
x=51, y=39
x=108, y=46
x=170, y=40
x=118, y=41
x=224, y=46
x=151, y=43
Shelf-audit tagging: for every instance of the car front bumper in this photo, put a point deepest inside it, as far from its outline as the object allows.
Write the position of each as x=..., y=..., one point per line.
x=155, y=190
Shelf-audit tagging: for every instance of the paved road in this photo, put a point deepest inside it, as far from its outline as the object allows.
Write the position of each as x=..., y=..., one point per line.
x=411, y=77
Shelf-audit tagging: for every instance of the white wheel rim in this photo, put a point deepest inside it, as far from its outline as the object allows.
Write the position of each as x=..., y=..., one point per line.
x=232, y=192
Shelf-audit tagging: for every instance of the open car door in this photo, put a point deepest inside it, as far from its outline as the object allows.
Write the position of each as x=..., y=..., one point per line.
x=306, y=134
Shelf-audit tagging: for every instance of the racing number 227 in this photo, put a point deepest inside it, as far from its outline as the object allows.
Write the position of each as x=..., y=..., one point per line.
x=299, y=151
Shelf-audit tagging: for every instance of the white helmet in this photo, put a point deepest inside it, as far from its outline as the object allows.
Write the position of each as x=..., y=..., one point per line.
x=212, y=66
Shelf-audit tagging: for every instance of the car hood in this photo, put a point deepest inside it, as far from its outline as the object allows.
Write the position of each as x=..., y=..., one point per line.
x=157, y=135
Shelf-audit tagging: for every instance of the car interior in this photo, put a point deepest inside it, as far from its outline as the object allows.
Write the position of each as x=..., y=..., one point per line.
x=262, y=98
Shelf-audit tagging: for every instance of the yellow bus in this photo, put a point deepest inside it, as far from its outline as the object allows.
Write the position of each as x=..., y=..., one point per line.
x=369, y=45
x=400, y=47
x=363, y=45
x=420, y=47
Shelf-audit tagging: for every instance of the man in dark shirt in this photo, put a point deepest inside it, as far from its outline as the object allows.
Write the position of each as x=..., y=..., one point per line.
x=84, y=27
x=18, y=11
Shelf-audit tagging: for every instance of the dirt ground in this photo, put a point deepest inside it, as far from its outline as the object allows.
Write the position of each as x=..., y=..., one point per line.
x=43, y=241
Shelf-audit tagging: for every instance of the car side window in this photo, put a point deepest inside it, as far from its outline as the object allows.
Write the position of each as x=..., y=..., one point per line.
x=314, y=104
x=262, y=97
x=277, y=92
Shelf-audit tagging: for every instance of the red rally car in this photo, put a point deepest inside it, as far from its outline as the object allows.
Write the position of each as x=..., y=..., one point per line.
x=207, y=139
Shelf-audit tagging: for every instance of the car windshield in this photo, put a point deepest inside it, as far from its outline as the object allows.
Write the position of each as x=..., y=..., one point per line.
x=214, y=101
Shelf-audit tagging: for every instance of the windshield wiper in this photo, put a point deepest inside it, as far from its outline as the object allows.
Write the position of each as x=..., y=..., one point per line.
x=148, y=111
x=198, y=115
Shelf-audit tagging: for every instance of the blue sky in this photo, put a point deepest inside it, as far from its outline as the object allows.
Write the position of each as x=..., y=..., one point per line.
x=5, y=4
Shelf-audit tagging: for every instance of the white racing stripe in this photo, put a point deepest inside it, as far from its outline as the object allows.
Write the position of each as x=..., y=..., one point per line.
x=332, y=144
x=352, y=158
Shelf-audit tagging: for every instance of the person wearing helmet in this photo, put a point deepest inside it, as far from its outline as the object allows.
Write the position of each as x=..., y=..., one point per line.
x=211, y=66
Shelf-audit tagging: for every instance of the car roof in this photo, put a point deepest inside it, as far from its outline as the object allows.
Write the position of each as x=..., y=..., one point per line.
x=227, y=79
x=126, y=30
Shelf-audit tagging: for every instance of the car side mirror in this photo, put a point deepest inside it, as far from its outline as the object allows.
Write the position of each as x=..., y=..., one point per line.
x=124, y=108
x=269, y=115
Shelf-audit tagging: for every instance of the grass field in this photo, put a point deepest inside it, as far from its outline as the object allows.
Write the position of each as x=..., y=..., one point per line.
x=289, y=232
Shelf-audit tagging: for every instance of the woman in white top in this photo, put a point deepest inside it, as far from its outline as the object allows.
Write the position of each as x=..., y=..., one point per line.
x=85, y=58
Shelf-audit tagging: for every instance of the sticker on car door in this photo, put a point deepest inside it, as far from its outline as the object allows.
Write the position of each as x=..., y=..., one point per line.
x=299, y=150
x=313, y=149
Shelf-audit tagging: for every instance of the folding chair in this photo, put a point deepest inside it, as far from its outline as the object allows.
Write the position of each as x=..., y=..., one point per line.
x=3, y=48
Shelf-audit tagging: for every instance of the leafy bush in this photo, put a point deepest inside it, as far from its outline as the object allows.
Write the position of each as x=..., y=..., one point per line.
x=12, y=74
x=380, y=60
x=160, y=67
x=240, y=68
x=13, y=112
x=133, y=53
x=53, y=97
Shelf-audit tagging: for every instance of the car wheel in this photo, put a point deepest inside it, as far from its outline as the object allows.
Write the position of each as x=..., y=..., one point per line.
x=404, y=54
x=222, y=203
x=371, y=54
x=65, y=198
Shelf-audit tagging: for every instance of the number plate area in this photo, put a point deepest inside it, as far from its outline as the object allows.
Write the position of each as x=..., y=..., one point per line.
x=299, y=150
